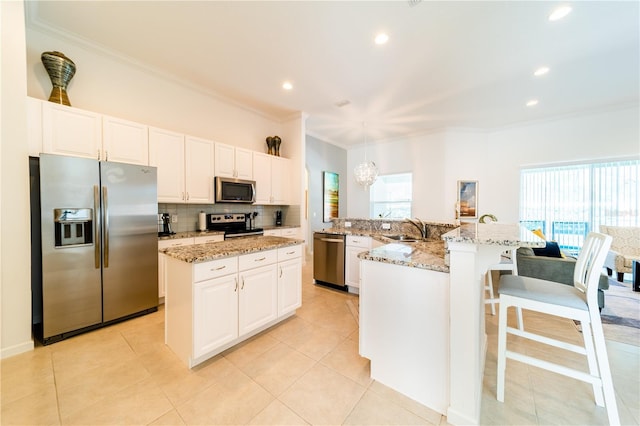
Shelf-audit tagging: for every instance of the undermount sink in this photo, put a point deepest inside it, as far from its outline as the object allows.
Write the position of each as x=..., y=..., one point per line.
x=403, y=238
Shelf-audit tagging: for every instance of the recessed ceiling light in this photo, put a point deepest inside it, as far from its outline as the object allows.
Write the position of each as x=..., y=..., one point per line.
x=541, y=71
x=532, y=102
x=559, y=13
x=287, y=85
x=381, y=38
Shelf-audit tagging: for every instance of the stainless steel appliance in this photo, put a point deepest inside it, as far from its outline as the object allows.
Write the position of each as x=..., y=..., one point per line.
x=328, y=259
x=94, y=244
x=165, y=228
x=233, y=224
x=229, y=190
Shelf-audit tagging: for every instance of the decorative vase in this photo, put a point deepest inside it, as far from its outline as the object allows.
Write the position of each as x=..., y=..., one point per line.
x=270, y=145
x=276, y=145
x=61, y=70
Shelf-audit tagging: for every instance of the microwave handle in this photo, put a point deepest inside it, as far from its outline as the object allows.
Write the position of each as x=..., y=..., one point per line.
x=253, y=192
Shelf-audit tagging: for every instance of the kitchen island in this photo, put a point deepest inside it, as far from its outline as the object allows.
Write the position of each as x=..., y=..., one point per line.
x=219, y=294
x=422, y=316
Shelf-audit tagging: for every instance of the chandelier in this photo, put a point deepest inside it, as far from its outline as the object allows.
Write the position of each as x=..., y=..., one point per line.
x=366, y=172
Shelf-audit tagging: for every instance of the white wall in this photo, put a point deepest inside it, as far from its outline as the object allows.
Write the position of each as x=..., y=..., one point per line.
x=601, y=136
x=109, y=85
x=436, y=160
x=494, y=159
x=15, y=299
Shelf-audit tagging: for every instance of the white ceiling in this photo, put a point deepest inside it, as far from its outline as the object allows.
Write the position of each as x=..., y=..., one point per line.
x=447, y=64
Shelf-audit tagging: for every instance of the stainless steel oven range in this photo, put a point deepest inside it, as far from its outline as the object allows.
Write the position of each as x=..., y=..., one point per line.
x=233, y=224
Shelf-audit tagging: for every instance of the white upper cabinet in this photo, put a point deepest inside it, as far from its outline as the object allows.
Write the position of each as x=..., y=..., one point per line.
x=233, y=162
x=199, y=169
x=270, y=174
x=34, y=126
x=166, y=152
x=64, y=130
x=185, y=166
x=125, y=141
x=71, y=131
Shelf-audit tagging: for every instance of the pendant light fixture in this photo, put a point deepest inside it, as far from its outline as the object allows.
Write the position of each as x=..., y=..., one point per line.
x=366, y=173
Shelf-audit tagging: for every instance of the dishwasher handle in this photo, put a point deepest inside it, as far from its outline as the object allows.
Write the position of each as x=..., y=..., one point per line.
x=332, y=240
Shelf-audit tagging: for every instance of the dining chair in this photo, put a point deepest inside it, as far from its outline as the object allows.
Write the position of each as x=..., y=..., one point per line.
x=578, y=302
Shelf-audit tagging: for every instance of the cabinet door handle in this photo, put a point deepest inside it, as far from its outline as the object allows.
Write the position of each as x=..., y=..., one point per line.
x=281, y=272
x=106, y=156
x=236, y=289
x=242, y=287
x=218, y=268
x=259, y=260
x=98, y=155
x=187, y=196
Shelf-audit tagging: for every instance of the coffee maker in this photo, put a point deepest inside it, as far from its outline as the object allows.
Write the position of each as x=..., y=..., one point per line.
x=278, y=217
x=164, y=224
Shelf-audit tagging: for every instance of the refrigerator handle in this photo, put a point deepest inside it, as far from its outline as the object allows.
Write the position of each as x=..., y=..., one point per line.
x=96, y=232
x=105, y=220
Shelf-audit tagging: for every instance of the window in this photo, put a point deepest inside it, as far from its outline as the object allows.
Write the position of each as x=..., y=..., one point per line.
x=567, y=202
x=390, y=196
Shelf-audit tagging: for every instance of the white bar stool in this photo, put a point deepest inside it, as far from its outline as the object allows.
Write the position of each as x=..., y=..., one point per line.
x=578, y=302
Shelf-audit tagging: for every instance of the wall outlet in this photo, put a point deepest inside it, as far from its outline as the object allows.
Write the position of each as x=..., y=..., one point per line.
x=347, y=224
x=386, y=226
x=174, y=218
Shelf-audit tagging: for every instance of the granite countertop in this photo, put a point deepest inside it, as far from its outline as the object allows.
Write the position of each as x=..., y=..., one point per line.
x=190, y=234
x=508, y=235
x=422, y=254
x=198, y=253
x=382, y=237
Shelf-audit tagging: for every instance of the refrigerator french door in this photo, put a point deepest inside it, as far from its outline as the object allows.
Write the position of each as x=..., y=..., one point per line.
x=98, y=244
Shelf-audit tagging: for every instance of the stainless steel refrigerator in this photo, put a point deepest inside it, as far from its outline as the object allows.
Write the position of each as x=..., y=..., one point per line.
x=94, y=244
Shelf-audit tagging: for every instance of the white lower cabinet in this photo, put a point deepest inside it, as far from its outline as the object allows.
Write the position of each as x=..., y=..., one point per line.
x=289, y=279
x=258, y=298
x=162, y=273
x=215, y=313
x=353, y=247
x=214, y=305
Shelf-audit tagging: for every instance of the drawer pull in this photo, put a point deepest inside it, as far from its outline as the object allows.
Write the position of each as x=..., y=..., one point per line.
x=291, y=252
x=176, y=244
x=218, y=268
x=259, y=260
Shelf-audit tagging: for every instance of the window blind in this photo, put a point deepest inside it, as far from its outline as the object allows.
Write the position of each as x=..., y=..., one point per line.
x=567, y=202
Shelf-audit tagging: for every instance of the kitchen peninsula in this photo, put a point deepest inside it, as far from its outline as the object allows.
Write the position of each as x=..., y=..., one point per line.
x=422, y=317
x=222, y=293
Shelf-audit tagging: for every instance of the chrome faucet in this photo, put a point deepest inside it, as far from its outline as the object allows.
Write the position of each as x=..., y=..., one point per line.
x=422, y=227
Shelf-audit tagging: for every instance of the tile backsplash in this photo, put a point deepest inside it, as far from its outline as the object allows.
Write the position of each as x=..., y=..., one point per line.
x=188, y=214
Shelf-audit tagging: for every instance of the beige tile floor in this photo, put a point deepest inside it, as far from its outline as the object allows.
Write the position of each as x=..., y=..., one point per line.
x=303, y=371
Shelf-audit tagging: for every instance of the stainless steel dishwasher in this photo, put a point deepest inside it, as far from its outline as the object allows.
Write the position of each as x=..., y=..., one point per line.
x=328, y=259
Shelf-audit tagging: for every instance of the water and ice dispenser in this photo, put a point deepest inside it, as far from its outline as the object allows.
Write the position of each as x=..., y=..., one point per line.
x=73, y=227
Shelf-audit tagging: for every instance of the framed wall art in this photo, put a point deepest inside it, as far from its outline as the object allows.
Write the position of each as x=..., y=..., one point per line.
x=330, y=196
x=468, y=198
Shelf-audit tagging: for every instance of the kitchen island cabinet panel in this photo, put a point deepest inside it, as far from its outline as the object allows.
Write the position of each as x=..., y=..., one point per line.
x=258, y=299
x=230, y=294
x=215, y=312
x=289, y=286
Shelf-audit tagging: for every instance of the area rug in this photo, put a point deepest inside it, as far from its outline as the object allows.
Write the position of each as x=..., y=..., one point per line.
x=621, y=314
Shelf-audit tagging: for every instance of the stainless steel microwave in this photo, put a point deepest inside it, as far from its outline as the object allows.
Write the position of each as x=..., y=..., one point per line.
x=230, y=190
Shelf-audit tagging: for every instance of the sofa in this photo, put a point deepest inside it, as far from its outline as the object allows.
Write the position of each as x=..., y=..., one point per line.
x=558, y=269
x=625, y=248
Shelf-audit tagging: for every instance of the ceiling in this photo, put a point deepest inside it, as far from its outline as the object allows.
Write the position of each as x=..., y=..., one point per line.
x=447, y=64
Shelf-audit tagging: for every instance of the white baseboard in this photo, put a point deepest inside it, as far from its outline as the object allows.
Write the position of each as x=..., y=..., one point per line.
x=16, y=349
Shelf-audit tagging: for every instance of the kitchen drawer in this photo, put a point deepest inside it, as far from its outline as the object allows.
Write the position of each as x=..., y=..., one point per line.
x=273, y=232
x=286, y=253
x=215, y=268
x=364, y=242
x=290, y=232
x=254, y=260
x=208, y=239
x=162, y=244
